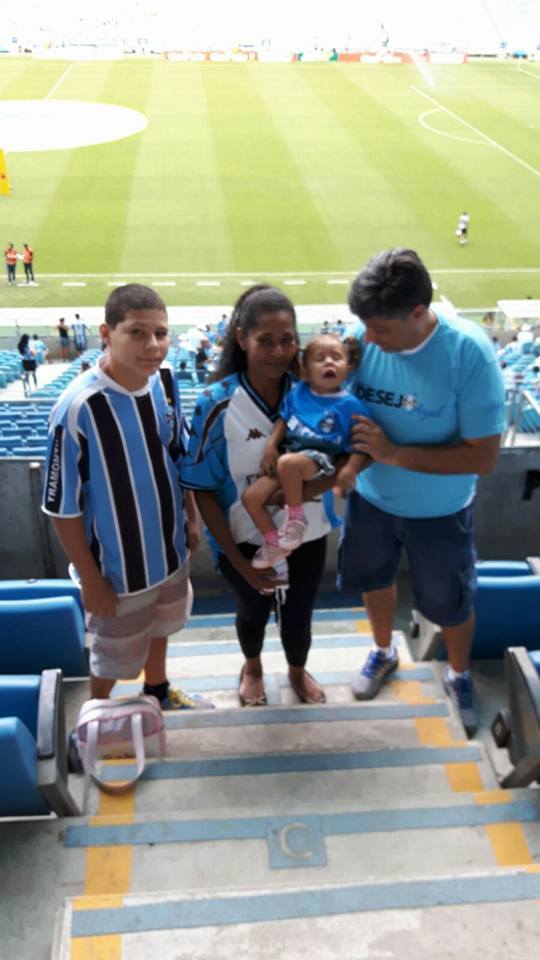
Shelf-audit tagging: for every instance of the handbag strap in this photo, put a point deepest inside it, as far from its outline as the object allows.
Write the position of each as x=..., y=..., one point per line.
x=107, y=786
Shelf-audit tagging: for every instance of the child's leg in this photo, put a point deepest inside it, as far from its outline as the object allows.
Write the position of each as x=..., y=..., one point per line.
x=100, y=687
x=255, y=497
x=294, y=469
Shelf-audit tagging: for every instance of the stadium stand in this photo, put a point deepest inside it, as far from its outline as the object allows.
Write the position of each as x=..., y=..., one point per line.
x=32, y=747
x=517, y=727
x=42, y=634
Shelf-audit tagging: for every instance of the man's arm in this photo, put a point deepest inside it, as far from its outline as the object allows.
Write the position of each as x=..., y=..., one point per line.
x=468, y=456
x=192, y=521
x=98, y=595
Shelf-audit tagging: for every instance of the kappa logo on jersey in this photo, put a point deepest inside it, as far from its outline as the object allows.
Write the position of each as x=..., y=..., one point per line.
x=254, y=434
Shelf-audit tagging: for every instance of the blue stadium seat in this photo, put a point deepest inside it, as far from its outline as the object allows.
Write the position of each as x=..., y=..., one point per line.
x=42, y=634
x=507, y=607
x=39, y=589
x=517, y=727
x=33, y=762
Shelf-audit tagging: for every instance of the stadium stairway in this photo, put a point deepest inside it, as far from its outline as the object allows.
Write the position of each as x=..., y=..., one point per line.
x=339, y=831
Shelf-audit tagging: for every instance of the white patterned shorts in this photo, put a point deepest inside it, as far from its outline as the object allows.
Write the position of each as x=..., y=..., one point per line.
x=120, y=644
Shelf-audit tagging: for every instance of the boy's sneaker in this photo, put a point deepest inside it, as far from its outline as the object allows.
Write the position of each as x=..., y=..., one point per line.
x=377, y=668
x=268, y=555
x=292, y=534
x=180, y=700
x=461, y=692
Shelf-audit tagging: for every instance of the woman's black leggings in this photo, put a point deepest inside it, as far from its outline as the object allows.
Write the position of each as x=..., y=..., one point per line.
x=306, y=566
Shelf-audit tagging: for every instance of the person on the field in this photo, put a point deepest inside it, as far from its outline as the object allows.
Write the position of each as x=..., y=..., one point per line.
x=462, y=229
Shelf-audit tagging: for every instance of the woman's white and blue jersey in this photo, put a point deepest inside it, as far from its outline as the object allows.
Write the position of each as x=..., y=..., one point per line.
x=113, y=459
x=229, y=432
x=318, y=421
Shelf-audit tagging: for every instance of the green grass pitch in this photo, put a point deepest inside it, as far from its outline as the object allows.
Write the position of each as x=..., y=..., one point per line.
x=281, y=172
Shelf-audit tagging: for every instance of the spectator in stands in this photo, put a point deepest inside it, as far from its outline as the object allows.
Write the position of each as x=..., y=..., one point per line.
x=28, y=263
x=116, y=503
x=11, y=257
x=201, y=358
x=63, y=333
x=80, y=335
x=232, y=421
x=28, y=360
x=436, y=397
x=222, y=328
x=85, y=365
x=41, y=349
x=339, y=329
x=183, y=372
x=325, y=327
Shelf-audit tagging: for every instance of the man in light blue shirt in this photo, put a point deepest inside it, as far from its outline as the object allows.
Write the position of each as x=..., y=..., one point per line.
x=435, y=394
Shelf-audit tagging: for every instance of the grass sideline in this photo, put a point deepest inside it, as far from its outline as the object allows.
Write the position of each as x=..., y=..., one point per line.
x=256, y=171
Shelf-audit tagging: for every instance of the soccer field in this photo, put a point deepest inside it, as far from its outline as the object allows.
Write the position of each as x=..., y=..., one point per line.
x=290, y=173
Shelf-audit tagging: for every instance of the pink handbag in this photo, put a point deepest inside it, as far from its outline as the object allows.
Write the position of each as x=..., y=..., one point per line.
x=123, y=727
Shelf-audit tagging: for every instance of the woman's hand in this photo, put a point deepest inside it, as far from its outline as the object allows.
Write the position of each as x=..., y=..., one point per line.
x=269, y=461
x=98, y=596
x=263, y=581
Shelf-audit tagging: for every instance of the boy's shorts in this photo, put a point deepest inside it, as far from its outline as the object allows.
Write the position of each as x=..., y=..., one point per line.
x=441, y=555
x=324, y=463
x=120, y=644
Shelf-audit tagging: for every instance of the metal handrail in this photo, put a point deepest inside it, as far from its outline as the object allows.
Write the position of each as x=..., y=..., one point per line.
x=518, y=397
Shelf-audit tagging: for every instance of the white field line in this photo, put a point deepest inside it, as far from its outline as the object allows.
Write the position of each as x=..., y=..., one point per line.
x=529, y=73
x=58, y=82
x=423, y=69
x=484, y=136
x=316, y=274
x=442, y=133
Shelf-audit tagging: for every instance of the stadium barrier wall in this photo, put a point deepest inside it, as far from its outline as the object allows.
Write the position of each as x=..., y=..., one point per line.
x=507, y=520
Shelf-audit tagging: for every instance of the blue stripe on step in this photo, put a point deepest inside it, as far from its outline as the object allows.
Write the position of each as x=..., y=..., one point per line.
x=383, y=710
x=315, y=902
x=335, y=824
x=296, y=763
x=203, y=684
x=272, y=644
x=319, y=616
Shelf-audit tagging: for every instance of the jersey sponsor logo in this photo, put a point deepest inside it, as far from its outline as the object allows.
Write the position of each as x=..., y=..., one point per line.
x=408, y=402
x=54, y=474
x=254, y=434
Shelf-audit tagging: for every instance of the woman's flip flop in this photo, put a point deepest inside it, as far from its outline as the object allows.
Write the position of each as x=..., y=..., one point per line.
x=250, y=701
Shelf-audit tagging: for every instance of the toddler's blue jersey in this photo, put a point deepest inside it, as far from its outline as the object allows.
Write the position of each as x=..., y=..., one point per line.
x=320, y=421
x=447, y=390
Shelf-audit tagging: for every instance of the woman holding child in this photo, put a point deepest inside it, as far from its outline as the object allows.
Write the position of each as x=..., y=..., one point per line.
x=233, y=422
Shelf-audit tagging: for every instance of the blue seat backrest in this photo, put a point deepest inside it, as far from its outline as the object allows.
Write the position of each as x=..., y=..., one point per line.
x=507, y=614
x=535, y=657
x=37, y=635
x=19, y=793
x=38, y=589
x=19, y=697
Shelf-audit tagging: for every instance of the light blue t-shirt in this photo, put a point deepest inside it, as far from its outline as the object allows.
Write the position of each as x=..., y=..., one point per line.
x=447, y=390
x=319, y=421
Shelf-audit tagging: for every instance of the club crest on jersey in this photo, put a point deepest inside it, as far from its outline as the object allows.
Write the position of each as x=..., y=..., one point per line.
x=327, y=424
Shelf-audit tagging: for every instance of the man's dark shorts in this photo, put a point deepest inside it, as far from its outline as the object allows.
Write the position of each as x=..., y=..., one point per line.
x=440, y=550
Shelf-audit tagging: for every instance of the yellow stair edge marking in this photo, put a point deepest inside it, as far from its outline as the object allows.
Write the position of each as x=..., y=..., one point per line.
x=364, y=627
x=103, y=902
x=409, y=691
x=108, y=869
x=434, y=732
x=509, y=844
x=108, y=947
x=464, y=777
x=493, y=796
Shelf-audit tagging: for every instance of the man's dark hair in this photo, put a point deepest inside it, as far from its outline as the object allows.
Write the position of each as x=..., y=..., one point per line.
x=391, y=284
x=132, y=296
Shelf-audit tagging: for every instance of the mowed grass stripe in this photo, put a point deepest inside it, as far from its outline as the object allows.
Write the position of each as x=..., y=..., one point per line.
x=86, y=221
x=274, y=221
x=177, y=174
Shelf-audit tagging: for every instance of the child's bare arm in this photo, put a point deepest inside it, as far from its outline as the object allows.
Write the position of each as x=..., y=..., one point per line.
x=271, y=454
x=98, y=595
x=192, y=521
x=346, y=475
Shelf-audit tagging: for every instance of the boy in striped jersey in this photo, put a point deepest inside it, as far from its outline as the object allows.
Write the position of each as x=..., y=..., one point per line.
x=116, y=439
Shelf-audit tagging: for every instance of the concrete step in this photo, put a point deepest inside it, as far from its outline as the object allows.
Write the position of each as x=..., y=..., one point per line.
x=495, y=908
